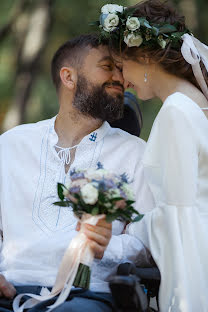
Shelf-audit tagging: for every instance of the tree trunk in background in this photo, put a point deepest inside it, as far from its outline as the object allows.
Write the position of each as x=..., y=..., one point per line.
x=202, y=9
x=17, y=10
x=28, y=63
x=189, y=10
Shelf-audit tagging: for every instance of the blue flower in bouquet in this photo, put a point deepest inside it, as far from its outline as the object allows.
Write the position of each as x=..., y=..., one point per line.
x=74, y=189
x=99, y=165
x=77, y=176
x=124, y=178
x=105, y=184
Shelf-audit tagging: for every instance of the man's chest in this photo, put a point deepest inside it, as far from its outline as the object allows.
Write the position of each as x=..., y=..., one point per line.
x=33, y=180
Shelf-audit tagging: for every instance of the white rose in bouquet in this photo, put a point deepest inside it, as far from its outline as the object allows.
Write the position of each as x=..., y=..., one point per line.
x=133, y=40
x=96, y=174
x=112, y=8
x=133, y=23
x=111, y=22
x=128, y=191
x=89, y=194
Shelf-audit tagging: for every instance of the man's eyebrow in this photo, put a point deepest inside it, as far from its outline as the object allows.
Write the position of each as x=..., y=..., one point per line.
x=106, y=58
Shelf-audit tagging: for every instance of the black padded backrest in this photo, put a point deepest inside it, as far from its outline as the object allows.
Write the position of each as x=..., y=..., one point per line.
x=132, y=118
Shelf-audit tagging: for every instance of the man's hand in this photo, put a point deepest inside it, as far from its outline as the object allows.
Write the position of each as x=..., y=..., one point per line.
x=99, y=236
x=6, y=289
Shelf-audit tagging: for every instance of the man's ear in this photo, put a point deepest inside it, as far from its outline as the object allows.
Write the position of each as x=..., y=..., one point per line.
x=68, y=77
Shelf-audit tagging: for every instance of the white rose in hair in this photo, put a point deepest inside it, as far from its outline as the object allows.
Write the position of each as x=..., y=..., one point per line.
x=132, y=23
x=112, y=8
x=89, y=194
x=110, y=22
x=133, y=40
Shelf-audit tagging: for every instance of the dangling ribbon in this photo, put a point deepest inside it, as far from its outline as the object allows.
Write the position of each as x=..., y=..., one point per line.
x=76, y=253
x=193, y=52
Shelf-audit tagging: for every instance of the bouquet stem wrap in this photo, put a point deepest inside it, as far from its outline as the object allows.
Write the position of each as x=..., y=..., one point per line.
x=78, y=255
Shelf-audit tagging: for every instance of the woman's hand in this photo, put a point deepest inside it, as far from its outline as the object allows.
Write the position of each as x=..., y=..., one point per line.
x=99, y=236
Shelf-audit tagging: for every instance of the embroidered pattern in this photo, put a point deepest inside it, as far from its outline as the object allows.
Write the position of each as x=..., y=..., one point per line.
x=48, y=217
x=93, y=137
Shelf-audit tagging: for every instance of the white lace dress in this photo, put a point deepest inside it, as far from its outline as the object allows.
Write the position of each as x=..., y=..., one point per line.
x=176, y=230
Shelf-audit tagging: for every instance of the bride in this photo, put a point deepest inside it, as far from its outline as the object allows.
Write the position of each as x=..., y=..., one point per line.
x=161, y=58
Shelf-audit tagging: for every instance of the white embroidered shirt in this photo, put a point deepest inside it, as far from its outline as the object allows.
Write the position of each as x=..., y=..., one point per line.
x=35, y=232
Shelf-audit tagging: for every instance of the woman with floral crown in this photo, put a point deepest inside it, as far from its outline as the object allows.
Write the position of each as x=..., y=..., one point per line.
x=161, y=58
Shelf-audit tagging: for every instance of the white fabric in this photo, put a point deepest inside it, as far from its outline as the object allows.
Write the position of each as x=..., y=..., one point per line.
x=176, y=231
x=36, y=233
x=77, y=252
x=194, y=52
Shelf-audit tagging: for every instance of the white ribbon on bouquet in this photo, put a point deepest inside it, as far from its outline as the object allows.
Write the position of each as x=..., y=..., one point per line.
x=77, y=252
x=194, y=51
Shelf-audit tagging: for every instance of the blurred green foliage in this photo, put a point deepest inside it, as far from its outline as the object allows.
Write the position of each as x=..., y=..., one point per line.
x=70, y=18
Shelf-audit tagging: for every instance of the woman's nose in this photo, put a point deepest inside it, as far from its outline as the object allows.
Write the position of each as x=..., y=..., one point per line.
x=128, y=84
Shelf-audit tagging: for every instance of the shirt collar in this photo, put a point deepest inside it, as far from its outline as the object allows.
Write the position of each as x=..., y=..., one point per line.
x=92, y=138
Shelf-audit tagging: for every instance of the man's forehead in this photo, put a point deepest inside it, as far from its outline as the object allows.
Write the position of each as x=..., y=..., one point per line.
x=101, y=54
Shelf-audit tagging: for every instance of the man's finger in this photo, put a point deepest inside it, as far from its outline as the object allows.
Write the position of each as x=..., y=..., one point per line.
x=97, y=249
x=104, y=223
x=99, y=239
x=7, y=290
x=78, y=226
x=99, y=230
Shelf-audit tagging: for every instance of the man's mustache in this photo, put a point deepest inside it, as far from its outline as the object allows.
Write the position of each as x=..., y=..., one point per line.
x=114, y=84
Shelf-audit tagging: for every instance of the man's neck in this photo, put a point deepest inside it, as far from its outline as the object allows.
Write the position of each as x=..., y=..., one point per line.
x=71, y=127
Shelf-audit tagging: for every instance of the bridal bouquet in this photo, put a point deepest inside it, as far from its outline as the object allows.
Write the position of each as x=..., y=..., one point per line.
x=94, y=194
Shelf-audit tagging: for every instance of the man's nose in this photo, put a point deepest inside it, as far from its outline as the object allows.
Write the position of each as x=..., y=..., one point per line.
x=118, y=76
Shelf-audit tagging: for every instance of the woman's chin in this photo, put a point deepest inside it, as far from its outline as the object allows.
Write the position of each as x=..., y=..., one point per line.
x=144, y=97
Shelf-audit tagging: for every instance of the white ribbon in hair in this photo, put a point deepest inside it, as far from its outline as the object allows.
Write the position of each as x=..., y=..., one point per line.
x=193, y=52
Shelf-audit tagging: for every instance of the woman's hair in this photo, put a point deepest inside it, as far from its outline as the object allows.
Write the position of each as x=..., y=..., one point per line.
x=169, y=58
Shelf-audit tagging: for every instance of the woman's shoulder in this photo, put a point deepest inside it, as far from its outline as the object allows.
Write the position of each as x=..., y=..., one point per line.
x=183, y=102
x=179, y=105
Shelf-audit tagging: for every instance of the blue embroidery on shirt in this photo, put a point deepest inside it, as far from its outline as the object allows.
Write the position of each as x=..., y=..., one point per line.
x=93, y=137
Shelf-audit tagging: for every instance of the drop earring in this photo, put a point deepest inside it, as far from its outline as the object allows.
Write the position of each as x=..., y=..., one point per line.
x=145, y=77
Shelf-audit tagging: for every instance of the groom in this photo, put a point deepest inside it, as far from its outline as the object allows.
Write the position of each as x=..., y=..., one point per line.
x=34, y=157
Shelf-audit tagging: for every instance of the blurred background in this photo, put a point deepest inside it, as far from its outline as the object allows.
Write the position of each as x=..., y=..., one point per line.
x=30, y=33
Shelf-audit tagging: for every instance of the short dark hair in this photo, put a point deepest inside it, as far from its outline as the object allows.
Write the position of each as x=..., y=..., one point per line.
x=72, y=53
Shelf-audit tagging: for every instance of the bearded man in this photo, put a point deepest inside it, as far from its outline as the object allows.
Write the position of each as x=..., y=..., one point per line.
x=34, y=157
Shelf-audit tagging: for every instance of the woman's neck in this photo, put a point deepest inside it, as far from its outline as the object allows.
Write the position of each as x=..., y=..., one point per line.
x=167, y=84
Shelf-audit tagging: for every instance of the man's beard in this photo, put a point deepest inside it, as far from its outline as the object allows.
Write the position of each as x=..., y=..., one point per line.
x=95, y=102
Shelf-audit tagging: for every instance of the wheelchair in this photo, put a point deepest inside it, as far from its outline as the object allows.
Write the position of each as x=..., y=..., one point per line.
x=133, y=287
x=132, y=118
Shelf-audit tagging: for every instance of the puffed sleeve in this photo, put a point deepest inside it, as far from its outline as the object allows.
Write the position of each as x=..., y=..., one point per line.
x=173, y=229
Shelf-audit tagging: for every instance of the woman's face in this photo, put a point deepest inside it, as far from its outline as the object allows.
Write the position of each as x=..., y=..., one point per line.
x=140, y=76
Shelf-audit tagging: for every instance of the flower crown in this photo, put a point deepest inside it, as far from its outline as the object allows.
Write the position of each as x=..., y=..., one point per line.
x=118, y=24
